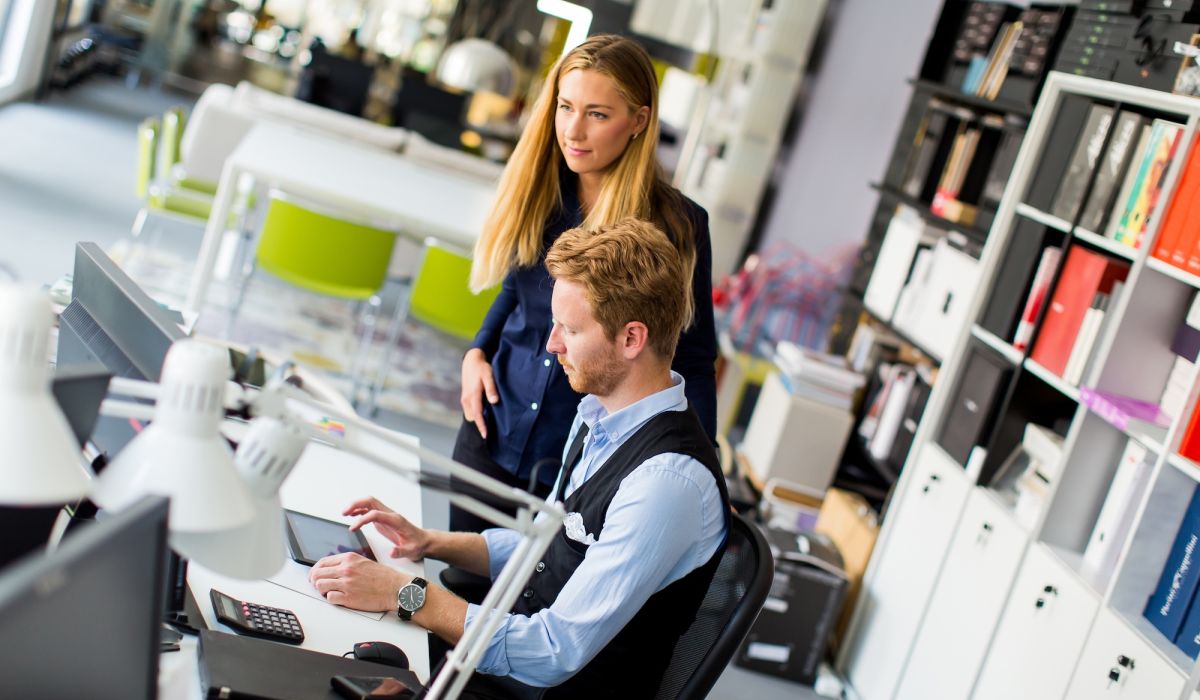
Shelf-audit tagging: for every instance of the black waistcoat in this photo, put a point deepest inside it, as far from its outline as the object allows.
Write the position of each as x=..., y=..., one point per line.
x=632, y=664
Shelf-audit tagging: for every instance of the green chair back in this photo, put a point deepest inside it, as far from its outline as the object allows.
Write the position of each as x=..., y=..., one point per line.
x=172, y=136
x=442, y=298
x=322, y=253
x=147, y=137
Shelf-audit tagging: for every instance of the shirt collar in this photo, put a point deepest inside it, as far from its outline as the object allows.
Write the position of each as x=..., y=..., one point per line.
x=625, y=421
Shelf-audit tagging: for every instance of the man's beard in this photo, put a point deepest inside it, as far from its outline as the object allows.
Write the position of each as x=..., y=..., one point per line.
x=599, y=377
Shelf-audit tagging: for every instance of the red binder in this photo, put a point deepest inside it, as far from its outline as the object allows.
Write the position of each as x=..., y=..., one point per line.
x=1171, y=234
x=1085, y=274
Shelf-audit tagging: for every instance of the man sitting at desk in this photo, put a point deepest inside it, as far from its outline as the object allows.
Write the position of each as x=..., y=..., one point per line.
x=646, y=503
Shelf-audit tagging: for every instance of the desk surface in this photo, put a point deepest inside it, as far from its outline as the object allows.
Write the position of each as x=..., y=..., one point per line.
x=420, y=199
x=323, y=483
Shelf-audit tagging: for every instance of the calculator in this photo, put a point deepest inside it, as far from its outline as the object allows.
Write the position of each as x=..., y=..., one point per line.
x=257, y=620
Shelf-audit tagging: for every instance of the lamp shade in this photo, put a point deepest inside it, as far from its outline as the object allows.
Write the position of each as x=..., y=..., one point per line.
x=264, y=458
x=475, y=64
x=42, y=463
x=181, y=454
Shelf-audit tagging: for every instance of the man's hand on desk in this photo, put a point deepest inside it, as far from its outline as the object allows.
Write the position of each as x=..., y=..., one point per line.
x=410, y=541
x=353, y=581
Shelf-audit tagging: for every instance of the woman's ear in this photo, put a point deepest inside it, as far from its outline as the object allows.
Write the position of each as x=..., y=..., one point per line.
x=641, y=119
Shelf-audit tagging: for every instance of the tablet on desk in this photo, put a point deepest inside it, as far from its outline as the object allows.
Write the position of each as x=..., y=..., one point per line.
x=311, y=538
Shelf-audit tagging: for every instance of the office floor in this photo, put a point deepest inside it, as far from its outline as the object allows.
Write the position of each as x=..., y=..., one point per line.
x=66, y=175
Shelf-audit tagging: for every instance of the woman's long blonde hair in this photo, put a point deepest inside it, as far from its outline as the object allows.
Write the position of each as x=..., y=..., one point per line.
x=634, y=185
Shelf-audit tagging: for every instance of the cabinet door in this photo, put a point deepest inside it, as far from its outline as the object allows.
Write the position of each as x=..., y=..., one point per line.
x=894, y=599
x=966, y=603
x=1116, y=663
x=1041, y=632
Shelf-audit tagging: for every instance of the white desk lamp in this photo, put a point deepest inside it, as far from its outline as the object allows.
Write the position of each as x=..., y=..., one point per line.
x=181, y=454
x=41, y=464
x=253, y=547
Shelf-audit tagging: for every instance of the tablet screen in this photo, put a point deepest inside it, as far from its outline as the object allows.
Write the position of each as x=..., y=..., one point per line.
x=311, y=538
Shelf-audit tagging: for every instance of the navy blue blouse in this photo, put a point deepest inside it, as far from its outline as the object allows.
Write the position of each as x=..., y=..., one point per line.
x=537, y=404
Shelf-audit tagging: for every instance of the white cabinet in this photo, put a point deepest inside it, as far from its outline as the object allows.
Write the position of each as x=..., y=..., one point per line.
x=894, y=596
x=1116, y=663
x=966, y=603
x=1041, y=632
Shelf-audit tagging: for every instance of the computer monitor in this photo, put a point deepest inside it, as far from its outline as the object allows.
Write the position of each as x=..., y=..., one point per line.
x=113, y=322
x=84, y=620
x=336, y=82
x=432, y=111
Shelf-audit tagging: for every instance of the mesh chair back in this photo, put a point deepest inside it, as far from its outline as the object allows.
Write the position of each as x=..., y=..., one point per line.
x=147, y=136
x=738, y=589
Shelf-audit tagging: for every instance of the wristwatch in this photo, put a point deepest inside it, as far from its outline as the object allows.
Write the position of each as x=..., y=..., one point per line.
x=410, y=598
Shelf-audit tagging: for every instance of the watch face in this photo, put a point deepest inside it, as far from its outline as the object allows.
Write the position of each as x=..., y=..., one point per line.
x=412, y=597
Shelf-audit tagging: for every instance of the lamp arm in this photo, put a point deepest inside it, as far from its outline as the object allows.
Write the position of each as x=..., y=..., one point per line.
x=460, y=472
x=537, y=533
x=115, y=408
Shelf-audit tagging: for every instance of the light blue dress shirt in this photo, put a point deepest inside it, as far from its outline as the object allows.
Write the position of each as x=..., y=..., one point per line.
x=664, y=521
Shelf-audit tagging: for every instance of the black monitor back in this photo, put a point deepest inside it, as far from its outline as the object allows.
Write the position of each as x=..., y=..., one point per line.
x=432, y=111
x=336, y=82
x=113, y=322
x=83, y=621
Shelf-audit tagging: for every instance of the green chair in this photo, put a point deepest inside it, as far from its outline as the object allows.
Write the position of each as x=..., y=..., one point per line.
x=329, y=254
x=172, y=137
x=156, y=197
x=440, y=297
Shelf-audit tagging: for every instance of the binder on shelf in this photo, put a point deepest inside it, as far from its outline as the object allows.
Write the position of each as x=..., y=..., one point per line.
x=1014, y=279
x=1089, y=329
x=1178, y=234
x=1056, y=151
x=1084, y=275
x=1110, y=169
x=1083, y=162
x=1036, y=299
x=1168, y=605
x=894, y=262
x=1117, y=514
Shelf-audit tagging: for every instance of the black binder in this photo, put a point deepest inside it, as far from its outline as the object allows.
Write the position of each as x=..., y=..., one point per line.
x=244, y=668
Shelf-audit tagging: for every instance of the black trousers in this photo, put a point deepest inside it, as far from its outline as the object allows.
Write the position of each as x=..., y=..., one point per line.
x=471, y=449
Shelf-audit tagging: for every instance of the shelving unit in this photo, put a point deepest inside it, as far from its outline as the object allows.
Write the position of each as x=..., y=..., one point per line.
x=1038, y=618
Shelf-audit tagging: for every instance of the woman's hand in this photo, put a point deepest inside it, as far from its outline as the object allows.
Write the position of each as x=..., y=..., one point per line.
x=477, y=382
x=410, y=541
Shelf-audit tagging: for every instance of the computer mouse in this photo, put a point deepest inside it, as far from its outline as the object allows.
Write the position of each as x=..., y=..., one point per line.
x=381, y=653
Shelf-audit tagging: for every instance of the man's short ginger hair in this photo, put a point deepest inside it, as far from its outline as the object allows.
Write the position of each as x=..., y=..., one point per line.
x=630, y=271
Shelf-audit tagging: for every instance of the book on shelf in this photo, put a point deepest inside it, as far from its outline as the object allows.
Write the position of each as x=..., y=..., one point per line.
x=1110, y=169
x=1144, y=193
x=1179, y=386
x=1026, y=475
x=1081, y=351
x=1001, y=167
x=917, y=398
x=1189, y=445
x=925, y=147
x=1093, y=355
x=1188, y=639
x=1083, y=162
x=816, y=375
x=1047, y=266
x=1116, y=517
x=945, y=198
x=1128, y=181
x=997, y=65
x=1058, y=143
x=1126, y=413
x=1169, y=603
x=1177, y=236
x=888, y=373
x=1084, y=274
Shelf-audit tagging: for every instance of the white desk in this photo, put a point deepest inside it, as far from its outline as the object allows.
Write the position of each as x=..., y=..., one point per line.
x=418, y=198
x=323, y=483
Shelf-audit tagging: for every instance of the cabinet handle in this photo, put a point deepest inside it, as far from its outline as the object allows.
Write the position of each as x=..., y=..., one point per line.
x=934, y=478
x=1114, y=676
x=1048, y=590
x=1125, y=661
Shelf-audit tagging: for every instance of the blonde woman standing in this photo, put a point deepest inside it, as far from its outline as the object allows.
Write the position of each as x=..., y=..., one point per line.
x=585, y=159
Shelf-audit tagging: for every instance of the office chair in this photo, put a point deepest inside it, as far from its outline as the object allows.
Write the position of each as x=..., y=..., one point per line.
x=157, y=196
x=171, y=154
x=734, y=598
x=336, y=82
x=329, y=254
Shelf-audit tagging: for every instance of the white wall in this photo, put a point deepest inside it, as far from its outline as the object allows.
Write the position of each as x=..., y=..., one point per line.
x=23, y=47
x=854, y=109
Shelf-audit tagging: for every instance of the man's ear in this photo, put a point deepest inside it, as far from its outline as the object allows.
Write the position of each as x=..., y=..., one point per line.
x=635, y=337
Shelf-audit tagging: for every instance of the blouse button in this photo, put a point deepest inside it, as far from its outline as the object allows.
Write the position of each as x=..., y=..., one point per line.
x=533, y=405
x=528, y=593
x=546, y=362
x=541, y=566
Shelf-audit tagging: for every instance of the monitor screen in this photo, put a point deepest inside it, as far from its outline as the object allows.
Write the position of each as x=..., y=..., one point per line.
x=83, y=621
x=113, y=322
